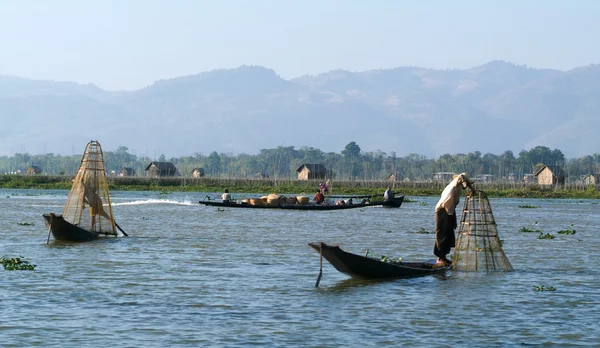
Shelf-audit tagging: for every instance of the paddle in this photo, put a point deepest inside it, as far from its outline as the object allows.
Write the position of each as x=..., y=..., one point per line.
x=120, y=229
x=49, y=228
x=321, y=266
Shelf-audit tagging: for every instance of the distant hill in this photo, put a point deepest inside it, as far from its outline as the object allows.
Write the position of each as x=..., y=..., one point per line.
x=490, y=108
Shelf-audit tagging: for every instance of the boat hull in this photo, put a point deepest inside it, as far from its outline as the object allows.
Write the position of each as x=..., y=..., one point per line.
x=395, y=203
x=66, y=231
x=370, y=268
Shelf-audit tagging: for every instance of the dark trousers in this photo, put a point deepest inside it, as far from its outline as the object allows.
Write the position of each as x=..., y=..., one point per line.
x=444, y=233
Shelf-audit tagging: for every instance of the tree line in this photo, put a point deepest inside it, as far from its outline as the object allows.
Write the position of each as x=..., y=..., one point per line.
x=350, y=164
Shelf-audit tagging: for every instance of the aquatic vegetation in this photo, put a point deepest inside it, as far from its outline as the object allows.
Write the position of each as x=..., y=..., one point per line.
x=569, y=230
x=408, y=200
x=16, y=264
x=528, y=206
x=26, y=224
x=530, y=229
x=424, y=231
x=546, y=236
x=543, y=288
x=423, y=204
x=220, y=209
x=391, y=259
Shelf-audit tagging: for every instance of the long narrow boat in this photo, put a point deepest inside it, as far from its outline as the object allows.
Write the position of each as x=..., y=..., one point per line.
x=371, y=268
x=89, y=190
x=394, y=203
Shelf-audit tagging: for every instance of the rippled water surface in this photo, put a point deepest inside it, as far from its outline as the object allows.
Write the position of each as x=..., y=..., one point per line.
x=189, y=275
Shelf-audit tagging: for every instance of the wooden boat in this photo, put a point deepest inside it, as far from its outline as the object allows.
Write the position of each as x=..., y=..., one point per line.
x=394, y=203
x=65, y=231
x=371, y=268
x=89, y=190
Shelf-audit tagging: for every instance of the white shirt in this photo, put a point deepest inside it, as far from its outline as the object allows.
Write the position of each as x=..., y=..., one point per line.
x=450, y=197
x=225, y=196
x=387, y=194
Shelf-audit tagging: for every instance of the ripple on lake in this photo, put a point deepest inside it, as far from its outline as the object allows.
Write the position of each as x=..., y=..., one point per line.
x=189, y=275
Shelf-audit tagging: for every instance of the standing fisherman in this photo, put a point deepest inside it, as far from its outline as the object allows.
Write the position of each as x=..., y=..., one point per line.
x=445, y=217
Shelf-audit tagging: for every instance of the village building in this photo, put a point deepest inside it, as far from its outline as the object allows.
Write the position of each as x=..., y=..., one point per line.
x=161, y=169
x=550, y=175
x=197, y=173
x=308, y=171
x=443, y=177
x=34, y=170
x=127, y=171
x=591, y=179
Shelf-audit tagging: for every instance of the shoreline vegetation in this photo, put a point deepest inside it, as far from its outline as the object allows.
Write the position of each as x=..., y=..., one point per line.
x=293, y=186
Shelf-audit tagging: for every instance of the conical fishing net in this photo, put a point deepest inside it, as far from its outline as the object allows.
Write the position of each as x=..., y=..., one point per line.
x=88, y=205
x=478, y=247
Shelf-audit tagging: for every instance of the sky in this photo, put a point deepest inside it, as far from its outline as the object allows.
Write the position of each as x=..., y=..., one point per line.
x=128, y=45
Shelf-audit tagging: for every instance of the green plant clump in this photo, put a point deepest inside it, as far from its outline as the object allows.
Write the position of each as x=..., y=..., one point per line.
x=543, y=288
x=569, y=230
x=26, y=224
x=16, y=264
x=546, y=236
x=530, y=229
x=391, y=259
x=527, y=229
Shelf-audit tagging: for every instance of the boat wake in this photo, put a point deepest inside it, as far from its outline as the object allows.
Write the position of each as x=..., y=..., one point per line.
x=155, y=201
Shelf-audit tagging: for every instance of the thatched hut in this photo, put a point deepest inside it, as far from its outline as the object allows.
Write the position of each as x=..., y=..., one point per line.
x=127, y=171
x=161, y=169
x=550, y=175
x=591, y=179
x=310, y=171
x=197, y=172
x=33, y=170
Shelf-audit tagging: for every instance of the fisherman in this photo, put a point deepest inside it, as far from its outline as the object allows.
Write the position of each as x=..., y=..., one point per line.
x=91, y=197
x=226, y=197
x=445, y=217
x=388, y=194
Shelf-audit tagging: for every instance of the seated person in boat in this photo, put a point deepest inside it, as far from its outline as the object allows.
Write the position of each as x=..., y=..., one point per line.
x=226, y=197
x=91, y=197
x=318, y=198
x=388, y=194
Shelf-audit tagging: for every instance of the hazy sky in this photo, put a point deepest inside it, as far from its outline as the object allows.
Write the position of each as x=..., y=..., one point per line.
x=129, y=44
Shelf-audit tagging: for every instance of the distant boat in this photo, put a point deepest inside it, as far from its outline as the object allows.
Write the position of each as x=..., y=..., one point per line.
x=393, y=203
x=87, y=214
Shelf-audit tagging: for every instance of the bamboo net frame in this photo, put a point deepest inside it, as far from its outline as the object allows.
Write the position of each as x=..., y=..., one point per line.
x=90, y=192
x=478, y=247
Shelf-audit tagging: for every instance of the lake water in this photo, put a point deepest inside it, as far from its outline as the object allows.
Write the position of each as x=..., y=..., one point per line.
x=189, y=275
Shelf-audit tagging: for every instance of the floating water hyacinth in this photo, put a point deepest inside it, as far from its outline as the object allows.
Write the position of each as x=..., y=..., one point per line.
x=16, y=264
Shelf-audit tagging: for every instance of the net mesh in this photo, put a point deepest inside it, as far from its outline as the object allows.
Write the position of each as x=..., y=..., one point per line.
x=88, y=205
x=478, y=247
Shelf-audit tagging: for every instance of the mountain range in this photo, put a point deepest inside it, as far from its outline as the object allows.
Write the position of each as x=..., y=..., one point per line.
x=492, y=108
